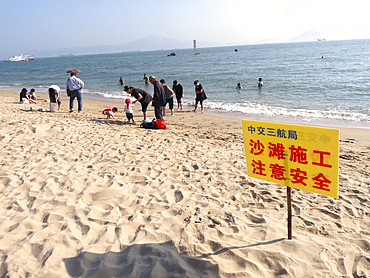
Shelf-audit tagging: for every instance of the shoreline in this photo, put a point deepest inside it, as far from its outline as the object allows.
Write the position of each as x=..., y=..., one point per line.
x=84, y=196
x=298, y=120
x=360, y=133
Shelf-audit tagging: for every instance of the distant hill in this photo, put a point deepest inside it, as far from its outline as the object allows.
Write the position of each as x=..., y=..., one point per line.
x=145, y=44
x=311, y=35
x=155, y=43
x=159, y=43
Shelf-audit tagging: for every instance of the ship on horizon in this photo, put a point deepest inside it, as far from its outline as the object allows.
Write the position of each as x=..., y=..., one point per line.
x=20, y=58
x=67, y=55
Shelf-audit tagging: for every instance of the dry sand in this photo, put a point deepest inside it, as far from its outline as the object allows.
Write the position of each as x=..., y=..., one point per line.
x=83, y=196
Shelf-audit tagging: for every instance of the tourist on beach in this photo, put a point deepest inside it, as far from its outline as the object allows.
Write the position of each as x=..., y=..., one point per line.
x=260, y=82
x=23, y=99
x=200, y=96
x=54, y=97
x=159, y=97
x=141, y=96
x=110, y=112
x=146, y=79
x=169, y=97
x=75, y=85
x=238, y=86
x=129, y=111
x=32, y=96
x=121, y=81
x=179, y=92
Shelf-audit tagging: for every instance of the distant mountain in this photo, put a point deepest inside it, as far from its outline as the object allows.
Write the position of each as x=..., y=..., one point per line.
x=311, y=35
x=158, y=43
x=145, y=44
x=155, y=43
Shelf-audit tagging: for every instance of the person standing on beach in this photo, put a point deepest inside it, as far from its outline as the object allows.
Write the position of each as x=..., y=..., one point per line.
x=200, y=96
x=129, y=111
x=159, y=97
x=179, y=92
x=75, y=85
x=141, y=96
x=169, y=97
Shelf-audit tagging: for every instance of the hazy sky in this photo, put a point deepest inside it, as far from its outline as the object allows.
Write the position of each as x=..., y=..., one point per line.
x=29, y=25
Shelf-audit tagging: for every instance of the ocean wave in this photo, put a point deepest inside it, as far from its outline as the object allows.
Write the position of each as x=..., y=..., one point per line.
x=260, y=109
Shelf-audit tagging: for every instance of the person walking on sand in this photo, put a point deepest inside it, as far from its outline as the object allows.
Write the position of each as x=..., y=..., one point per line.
x=179, y=92
x=169, y=97
x=200, y=96
x=141, y=96
x=75, y=85
x=159, y=97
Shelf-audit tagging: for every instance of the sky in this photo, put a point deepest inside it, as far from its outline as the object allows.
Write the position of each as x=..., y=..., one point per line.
x=30, y=25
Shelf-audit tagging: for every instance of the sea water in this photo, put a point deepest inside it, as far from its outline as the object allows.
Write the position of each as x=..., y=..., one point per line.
x=304, y=82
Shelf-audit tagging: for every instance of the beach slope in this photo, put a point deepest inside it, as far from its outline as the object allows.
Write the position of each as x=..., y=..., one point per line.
x=83, y=196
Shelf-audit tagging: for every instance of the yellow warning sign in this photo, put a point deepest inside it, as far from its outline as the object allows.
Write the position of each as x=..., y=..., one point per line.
x=302, y=157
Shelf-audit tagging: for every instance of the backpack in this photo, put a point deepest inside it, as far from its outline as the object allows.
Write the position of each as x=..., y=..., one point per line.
x=154, y=124
x=148, y=124
x=160, y=124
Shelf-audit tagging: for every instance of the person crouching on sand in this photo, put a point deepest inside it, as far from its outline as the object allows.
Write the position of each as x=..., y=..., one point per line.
x=129, y=111
x=110, y=112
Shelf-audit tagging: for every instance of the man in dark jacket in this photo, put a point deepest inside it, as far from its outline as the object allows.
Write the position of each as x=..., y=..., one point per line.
x=159, y=97
x=141, y=96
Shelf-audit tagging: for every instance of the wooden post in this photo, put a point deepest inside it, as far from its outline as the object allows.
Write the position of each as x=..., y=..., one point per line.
x=289, y=204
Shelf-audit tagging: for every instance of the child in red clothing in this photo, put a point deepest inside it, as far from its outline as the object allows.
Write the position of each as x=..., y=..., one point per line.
x=109, y=112
x=129, y=111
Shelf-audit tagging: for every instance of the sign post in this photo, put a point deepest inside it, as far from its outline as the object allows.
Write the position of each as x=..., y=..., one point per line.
x=301, y=157
x=289, y=205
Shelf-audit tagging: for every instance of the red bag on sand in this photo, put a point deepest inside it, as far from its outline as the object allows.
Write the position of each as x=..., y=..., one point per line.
x=160, y=124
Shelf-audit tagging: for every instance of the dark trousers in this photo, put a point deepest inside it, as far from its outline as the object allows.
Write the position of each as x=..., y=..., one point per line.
x=158, y=112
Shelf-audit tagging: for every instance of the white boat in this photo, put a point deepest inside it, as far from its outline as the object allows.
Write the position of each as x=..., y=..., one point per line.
x=18, y=58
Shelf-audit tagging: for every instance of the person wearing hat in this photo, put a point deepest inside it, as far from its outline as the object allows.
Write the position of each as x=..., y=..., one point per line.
x=75, y=85
x=141, y=96
x=159, y=97
x=179, y=93
x=129, y=111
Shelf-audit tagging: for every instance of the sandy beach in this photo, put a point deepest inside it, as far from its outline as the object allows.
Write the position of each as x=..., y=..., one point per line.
x=83, y=196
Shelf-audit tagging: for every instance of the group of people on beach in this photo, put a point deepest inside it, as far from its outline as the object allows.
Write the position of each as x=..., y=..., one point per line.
x=27, y=97
x=74, y=87
x=162, y=95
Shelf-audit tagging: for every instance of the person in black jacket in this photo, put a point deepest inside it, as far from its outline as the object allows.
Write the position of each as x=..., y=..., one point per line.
x=159, y=97
x=141, y=96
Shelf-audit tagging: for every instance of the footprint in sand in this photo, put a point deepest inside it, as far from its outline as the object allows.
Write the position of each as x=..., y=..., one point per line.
x=178, y=196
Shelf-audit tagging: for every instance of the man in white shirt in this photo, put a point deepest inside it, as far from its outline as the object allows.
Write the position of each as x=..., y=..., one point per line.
x=75, y=85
